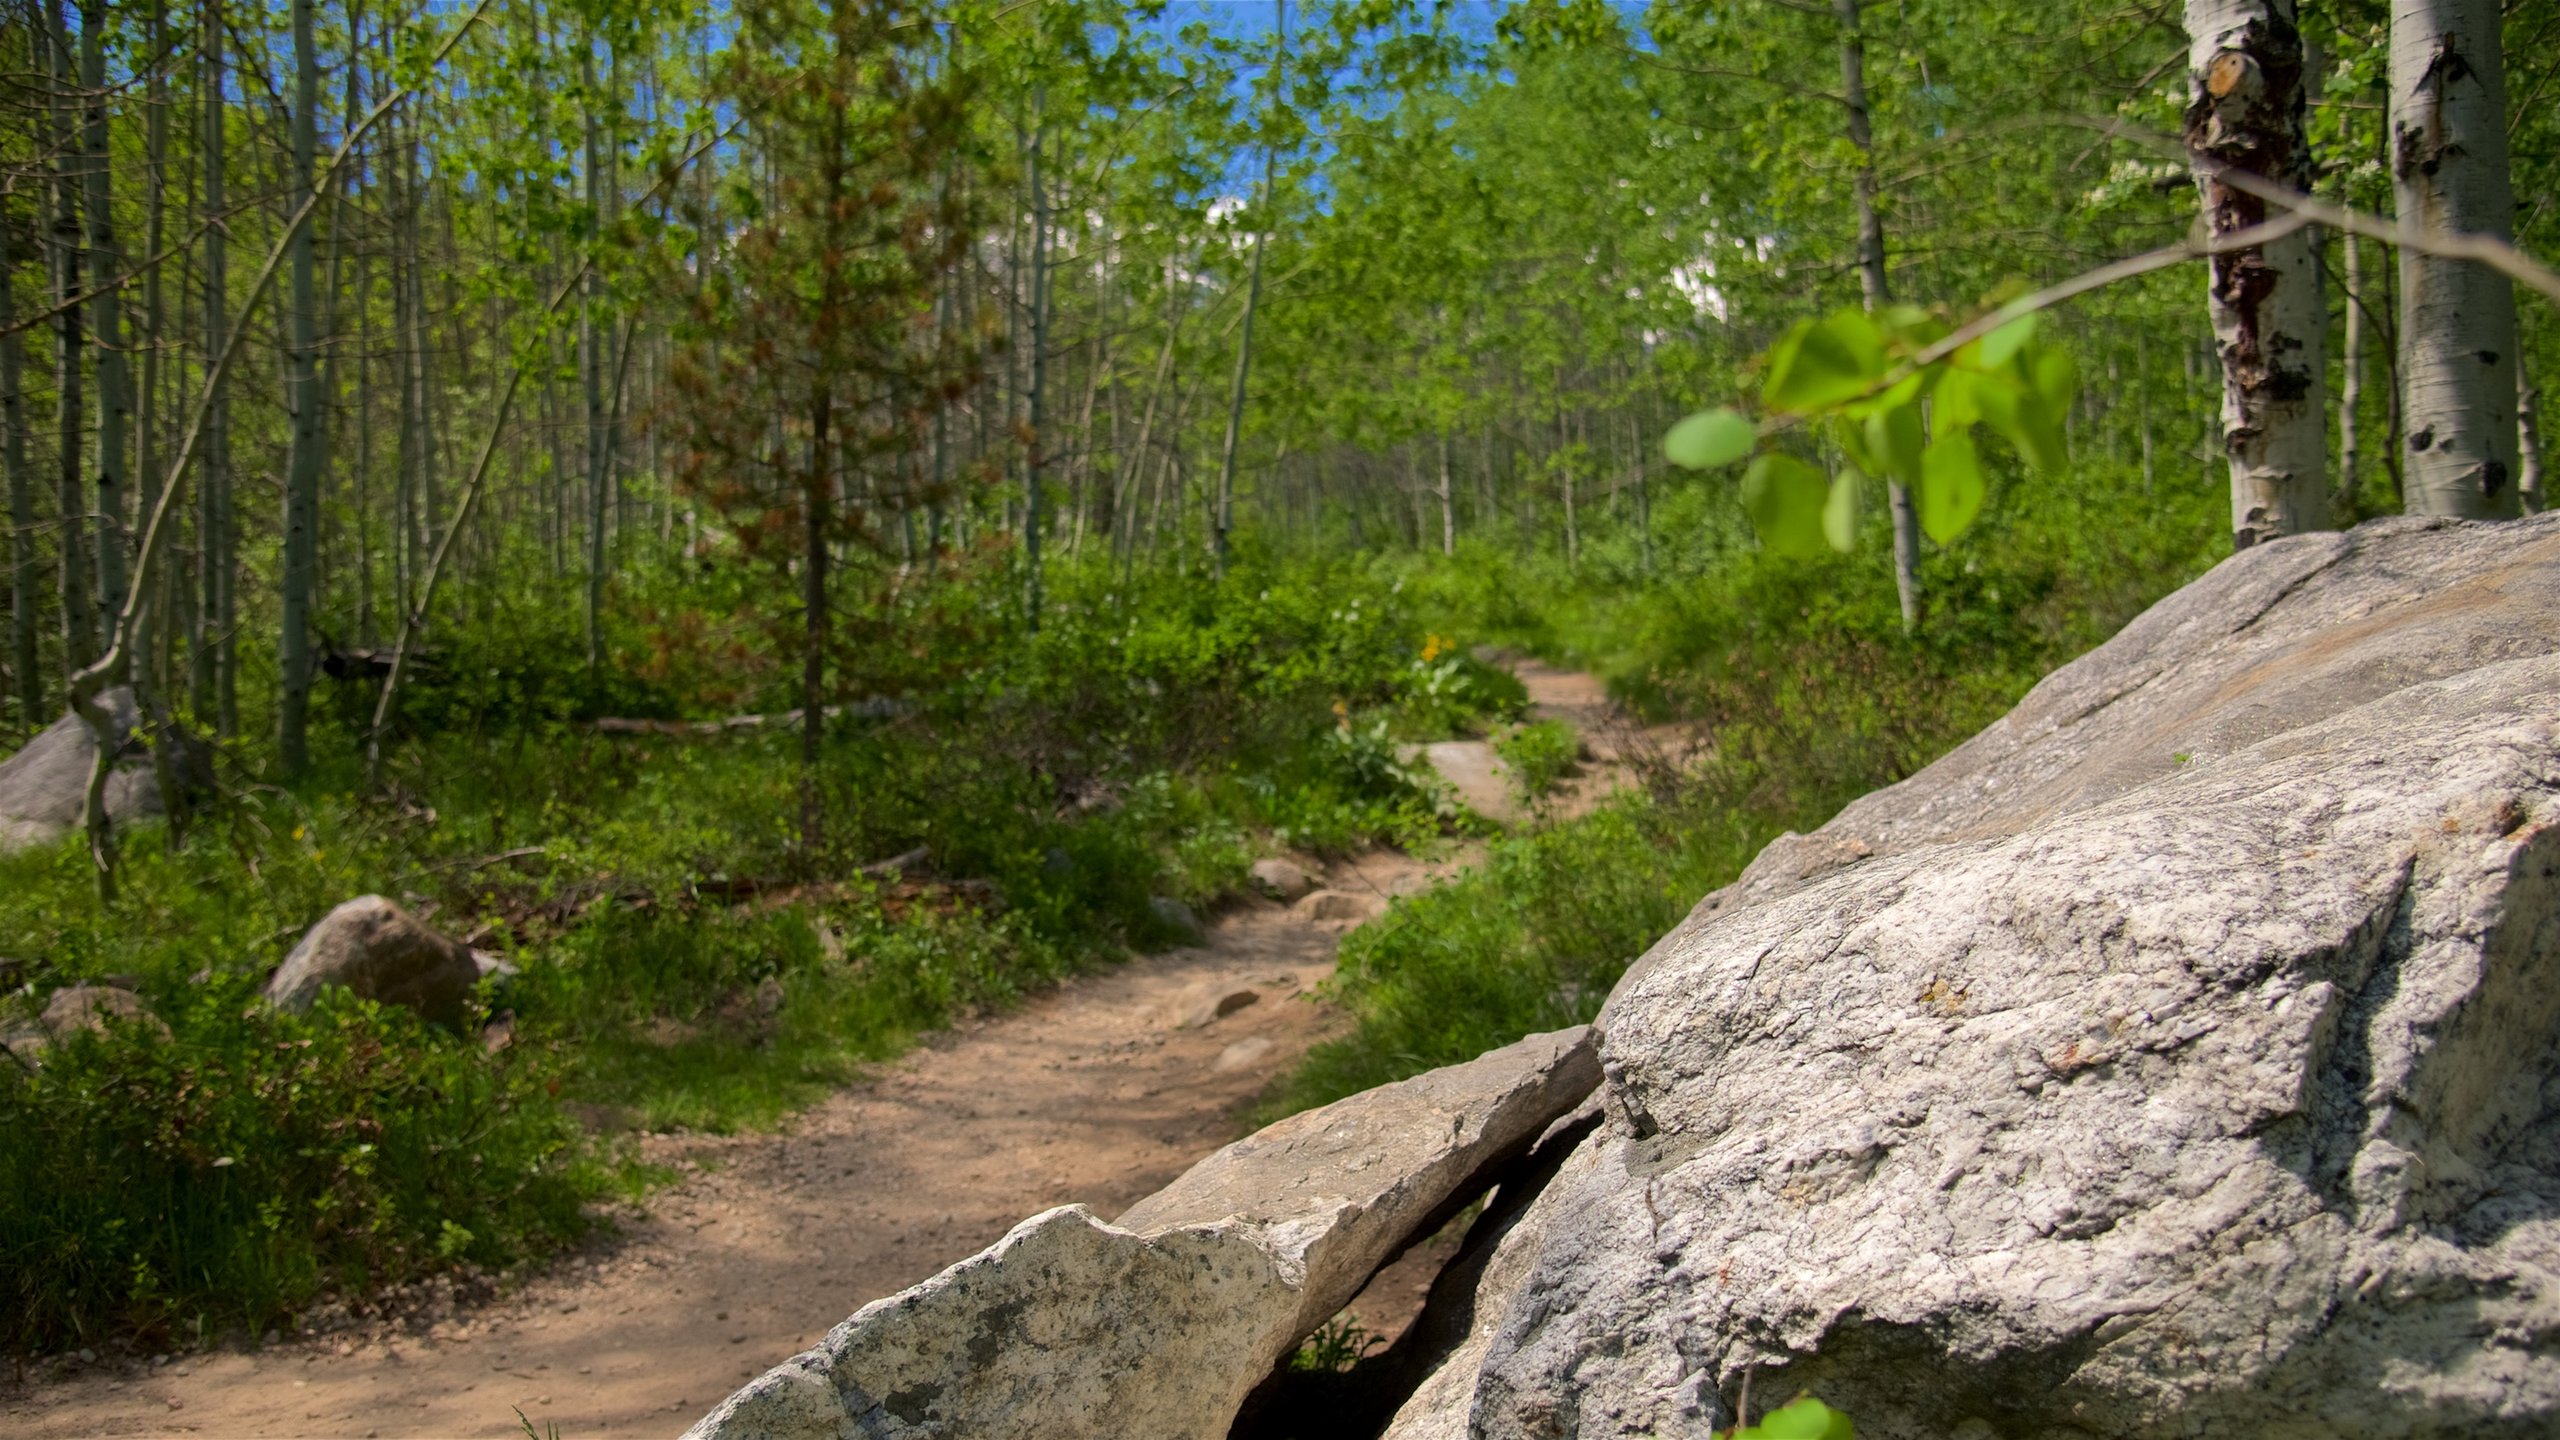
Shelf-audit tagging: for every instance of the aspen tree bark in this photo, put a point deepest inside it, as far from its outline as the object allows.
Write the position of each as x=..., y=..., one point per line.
x=149, y=639
x=211, y=647
x=302, y=407
x=1226, y=504
x=71, y=530
x=2457, y=318
x=106, y=309
x=1875, y=287
x=1448, y=502
x=2529, y=494
x=1034, y=500
x=591, y=359
x=23, y=578
x=2246, y=102
x=2351, y=375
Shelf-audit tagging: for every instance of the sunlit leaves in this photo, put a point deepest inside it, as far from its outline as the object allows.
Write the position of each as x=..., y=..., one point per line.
x=1899, y=402
x=1951, y=486
x=1825, y=363
x=1786, y=499
x=1709, y=439
x=1840, y=513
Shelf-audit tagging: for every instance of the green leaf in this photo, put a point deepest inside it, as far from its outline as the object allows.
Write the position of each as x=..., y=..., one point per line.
x=2056, y=379
x=2002, y=345
x=1825, y=363
x=1895, y=438
x=1852, y=437
x=1785, y=498
x=1710, y=438
x=1806, y=1419
x=1955, y=405
x=1840, y=512
x=1951, y=486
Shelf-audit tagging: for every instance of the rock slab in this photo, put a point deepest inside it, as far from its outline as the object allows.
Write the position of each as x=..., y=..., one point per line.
x=44, y=787
x=1157, y=1326
x=2180, y=1057
x=381, y=952
x=1281, y=880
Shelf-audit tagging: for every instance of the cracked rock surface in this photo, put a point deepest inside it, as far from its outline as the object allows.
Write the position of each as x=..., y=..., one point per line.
x=2179, y=1057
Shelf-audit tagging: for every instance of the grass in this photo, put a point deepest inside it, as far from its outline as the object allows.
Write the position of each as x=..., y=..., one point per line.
x=685, y=960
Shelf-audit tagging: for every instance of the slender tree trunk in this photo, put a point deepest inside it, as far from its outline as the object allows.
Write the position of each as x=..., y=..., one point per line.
x=302, y=408
x=591, y=359
x=2457, y=318
x=813, y=599
x=1034, y=502
x=1875, y=287
x=151, y=626
x=1226, y=505
x=23, y=578
x=1448, y=501
x=2528, y=443
x=106, y=310
x=2270, y=313
x=79, y=625
x=212, y=649
x=2351, y=377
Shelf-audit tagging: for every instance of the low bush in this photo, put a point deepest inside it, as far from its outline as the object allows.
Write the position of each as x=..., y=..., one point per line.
x=249, y=1162
x=1539, y=755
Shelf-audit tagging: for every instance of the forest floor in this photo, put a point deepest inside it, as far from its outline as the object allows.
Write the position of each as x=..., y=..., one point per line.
x=1099, y=1091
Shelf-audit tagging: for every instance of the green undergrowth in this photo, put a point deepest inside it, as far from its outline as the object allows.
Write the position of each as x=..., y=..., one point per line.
x=684, y=959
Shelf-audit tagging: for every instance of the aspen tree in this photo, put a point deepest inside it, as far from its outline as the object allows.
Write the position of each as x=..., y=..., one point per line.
x=106, y=308
x=1875, y=287
x=2245, y=112
x=2457, y=318
x=302, y=406
x=23, y=576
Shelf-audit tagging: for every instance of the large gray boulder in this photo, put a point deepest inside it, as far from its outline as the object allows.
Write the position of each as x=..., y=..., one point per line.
x=379, y=951
x=44, y=787
x=2179, y=1057
x=1156, y=1327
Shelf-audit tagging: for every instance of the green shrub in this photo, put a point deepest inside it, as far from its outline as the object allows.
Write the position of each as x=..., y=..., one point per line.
x=1539, y=755
x=252, y=1161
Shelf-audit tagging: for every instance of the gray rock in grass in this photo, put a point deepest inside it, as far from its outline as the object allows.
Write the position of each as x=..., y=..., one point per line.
x=379, y=951
x=1282, y=880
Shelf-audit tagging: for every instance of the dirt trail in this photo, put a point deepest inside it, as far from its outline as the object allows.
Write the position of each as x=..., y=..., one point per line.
x=1099, y=1091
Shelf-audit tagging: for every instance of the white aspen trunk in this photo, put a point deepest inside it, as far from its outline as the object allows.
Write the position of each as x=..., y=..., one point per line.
x=106, y=310
x=1226, y=505
x=302, y=407
x=79, y=628
x=2246, y=103
x=1448, y=503
x=1033, y=501
x=211, y=641
x=2351, y=376
x=2528, y=443
x=151, y=625
x=591, y=359
x=2457, y=318
x=23, y=578
x=1874, y=286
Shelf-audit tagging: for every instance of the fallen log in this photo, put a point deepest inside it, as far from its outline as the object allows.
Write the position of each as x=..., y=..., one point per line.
x=876, y=708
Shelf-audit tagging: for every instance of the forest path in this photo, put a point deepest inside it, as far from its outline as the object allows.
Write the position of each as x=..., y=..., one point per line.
x=1099, y=1091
